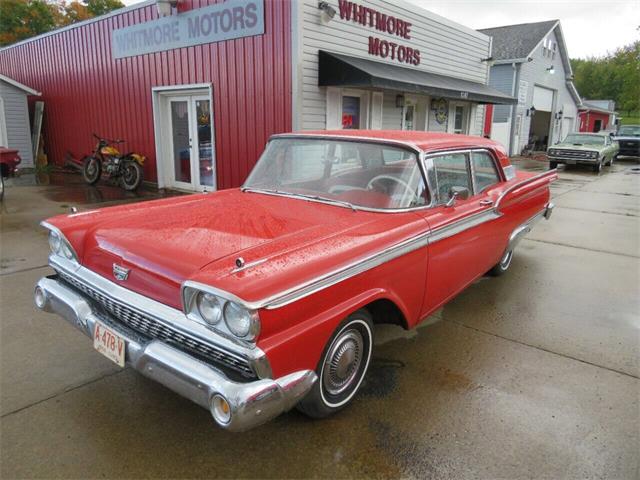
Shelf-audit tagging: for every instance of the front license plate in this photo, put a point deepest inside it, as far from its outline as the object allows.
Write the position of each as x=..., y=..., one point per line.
x=571, y=162
x=109, y=343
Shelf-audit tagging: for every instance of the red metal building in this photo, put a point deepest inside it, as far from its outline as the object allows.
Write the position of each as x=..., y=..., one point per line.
x=597, y=115
x=227, y=97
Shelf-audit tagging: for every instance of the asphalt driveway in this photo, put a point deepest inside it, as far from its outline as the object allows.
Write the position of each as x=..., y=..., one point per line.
x=533, y=374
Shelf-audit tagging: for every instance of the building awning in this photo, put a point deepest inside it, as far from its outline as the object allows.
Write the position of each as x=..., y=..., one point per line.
x=338, y=70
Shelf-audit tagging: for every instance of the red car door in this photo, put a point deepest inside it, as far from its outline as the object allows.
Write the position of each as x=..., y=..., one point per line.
x=466, y=239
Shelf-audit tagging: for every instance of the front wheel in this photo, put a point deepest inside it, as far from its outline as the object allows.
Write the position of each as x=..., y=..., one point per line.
x=131, y=175
x=91, y=170
x=597, y=167
x=1, y=187
x=342, y=367
x=553, y=165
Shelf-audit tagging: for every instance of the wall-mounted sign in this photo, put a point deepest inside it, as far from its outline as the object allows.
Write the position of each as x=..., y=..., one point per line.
x=215, y=23
x=388, y=24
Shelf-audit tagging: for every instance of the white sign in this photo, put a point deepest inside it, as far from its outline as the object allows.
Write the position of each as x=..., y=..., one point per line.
x=215, y=23
x=522, y=92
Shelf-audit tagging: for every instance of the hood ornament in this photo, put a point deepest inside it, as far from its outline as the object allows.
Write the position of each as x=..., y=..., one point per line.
x=121, y=273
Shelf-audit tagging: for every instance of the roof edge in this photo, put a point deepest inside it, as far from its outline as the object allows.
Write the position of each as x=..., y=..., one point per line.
x=21, y=86
x=89, y=21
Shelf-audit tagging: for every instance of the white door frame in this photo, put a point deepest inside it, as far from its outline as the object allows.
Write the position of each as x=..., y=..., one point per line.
x=466, y=118
x=161, y=126
x=4, y=140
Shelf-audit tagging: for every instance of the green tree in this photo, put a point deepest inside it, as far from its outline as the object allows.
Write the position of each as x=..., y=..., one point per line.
x=100, y=7
x=21, y=19
x=615, y=76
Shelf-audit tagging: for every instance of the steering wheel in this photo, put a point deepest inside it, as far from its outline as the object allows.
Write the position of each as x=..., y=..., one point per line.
x=407, y=188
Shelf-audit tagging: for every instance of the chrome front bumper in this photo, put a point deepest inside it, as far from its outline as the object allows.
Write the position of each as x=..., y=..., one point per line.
x=251, y=403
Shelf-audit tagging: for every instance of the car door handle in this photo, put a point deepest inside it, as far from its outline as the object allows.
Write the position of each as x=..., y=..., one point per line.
x=486, y=202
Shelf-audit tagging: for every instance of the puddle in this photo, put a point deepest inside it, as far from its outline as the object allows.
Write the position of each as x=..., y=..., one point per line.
x=382, y=378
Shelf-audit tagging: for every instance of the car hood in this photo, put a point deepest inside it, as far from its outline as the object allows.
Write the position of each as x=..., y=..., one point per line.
x=163, y=243
x=571, y=146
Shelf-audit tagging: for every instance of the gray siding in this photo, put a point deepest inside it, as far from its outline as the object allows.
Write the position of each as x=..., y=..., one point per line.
x=535, y=73
x=446, y=48
x=16, y=116
x=501, y=78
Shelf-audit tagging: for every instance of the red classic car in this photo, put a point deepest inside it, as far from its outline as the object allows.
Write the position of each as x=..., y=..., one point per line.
x=253, y=300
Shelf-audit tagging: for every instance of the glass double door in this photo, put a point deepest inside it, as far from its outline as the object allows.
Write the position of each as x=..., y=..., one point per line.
x=192, y=152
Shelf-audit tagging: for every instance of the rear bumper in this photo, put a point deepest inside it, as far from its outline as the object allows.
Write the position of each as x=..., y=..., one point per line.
x=251, y=403
x=520, y=232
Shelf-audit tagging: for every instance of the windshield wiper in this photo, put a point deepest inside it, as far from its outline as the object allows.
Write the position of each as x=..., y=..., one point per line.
x=302, y=195
x=324, y=199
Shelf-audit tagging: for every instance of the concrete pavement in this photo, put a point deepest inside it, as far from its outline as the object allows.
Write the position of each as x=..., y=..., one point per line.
x=533, y=374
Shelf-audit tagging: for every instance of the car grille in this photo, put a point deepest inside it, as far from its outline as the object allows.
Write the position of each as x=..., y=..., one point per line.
x=570, y=154
x=630, y=144
x=148, y=326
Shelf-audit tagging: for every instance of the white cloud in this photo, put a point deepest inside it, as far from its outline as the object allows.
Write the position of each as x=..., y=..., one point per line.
x=591, y=28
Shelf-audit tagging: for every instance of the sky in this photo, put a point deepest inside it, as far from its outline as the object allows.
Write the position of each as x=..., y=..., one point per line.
x=591, y=27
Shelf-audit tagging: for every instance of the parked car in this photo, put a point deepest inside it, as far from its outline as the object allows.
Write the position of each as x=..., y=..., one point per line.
x=628, y=137
x=9, y=161
x=251, y=301
x=593, y=149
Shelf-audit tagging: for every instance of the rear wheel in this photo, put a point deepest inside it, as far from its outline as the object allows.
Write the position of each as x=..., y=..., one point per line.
x=503, y=265
x=91, y=170
x=342, y=367
x=1, y=187
x=131, y=175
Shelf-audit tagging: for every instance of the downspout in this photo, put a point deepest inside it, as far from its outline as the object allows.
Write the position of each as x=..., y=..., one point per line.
x=514, y=108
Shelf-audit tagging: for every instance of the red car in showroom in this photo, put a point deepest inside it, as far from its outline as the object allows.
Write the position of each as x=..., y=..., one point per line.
x=254, y=300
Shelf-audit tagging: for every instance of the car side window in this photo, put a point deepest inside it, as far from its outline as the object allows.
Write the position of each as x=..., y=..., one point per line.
x=484, y=171
x=451, y=171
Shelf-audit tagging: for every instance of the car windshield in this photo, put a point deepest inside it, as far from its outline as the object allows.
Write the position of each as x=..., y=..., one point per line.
x=347, y=173
x=629, y=131
x=585, y=139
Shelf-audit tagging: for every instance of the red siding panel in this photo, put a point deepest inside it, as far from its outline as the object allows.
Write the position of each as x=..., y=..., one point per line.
x=85, y=90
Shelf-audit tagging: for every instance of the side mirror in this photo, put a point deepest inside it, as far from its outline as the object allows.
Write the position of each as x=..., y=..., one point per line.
x=455, y=193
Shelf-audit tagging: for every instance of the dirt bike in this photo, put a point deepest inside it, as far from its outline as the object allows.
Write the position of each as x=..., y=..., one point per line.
x=127, y=168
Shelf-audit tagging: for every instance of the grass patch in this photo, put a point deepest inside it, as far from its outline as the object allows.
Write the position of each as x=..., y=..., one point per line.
x=632, y=118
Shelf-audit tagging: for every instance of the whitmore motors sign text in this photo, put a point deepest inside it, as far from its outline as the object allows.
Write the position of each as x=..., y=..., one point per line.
x=223, y=21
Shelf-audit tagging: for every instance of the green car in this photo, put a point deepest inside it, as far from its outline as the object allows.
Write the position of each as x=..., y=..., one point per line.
x=593, y=149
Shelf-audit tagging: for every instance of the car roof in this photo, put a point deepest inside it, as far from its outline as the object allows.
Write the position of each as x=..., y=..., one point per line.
x=427, y=141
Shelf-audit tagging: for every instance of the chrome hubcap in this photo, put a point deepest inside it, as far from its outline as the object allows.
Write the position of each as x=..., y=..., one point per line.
x=342, y=362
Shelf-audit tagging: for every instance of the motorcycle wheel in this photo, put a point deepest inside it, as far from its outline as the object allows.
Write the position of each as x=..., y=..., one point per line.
x=91, y=170
x=131, y=175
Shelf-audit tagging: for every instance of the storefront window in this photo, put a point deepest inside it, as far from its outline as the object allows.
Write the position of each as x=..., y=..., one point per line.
x=409, y=111
x=205, y=150
x=458, y=120
x=350, y=113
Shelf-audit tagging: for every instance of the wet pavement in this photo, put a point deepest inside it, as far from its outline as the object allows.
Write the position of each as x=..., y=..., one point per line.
x=534, y=374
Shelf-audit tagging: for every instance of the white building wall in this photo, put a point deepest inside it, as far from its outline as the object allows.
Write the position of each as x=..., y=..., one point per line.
x=446, y=48
x=16, y=117
x=535, y=73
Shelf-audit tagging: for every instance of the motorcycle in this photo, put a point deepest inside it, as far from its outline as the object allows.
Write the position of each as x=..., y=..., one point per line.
x=106, y=157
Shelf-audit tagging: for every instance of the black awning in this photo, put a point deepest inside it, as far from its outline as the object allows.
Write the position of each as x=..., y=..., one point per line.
x=338, y=70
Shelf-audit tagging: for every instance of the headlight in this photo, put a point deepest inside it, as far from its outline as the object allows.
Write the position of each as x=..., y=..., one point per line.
x=209, y=307
x=594, y=154
x=54, y=241
x=238, y=319
x=59, y=245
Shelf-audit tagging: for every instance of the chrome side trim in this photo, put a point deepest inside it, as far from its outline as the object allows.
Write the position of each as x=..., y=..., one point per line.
x=165, y=315
x=407, y=246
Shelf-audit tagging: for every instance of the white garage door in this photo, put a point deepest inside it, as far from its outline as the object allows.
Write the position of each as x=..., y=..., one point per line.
x=543, y=99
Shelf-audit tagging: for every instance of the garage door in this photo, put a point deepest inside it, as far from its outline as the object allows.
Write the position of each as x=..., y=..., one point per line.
x=543, y=99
